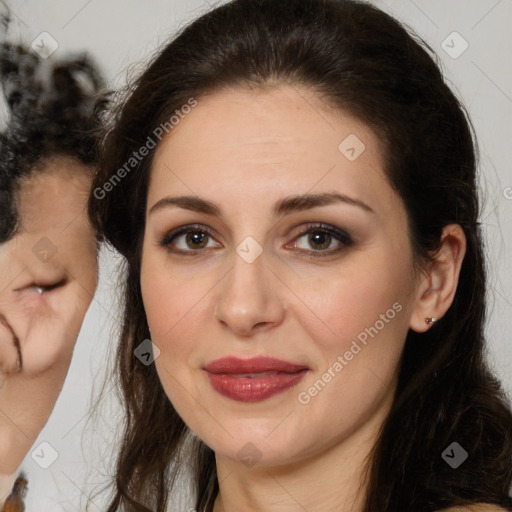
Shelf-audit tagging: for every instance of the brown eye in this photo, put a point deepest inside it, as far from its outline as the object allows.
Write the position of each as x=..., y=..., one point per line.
x=196, y=239
x=320, y=237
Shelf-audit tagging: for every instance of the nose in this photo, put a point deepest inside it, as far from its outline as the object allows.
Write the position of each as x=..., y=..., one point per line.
x=248, y=299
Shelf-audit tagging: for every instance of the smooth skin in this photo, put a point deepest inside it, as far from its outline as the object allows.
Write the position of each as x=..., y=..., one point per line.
x=245, y=150
x=54, y=250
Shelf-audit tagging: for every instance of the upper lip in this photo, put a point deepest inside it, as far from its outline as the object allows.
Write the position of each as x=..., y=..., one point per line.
x=236, y=365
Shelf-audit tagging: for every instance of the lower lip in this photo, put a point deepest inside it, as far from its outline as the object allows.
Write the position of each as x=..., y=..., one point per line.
x=246, y=389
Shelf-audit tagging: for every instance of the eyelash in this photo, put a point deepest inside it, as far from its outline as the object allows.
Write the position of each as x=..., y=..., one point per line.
x=47, y=287
x=336, y=233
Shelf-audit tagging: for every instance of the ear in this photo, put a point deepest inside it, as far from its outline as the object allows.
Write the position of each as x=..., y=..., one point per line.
x=437, y=287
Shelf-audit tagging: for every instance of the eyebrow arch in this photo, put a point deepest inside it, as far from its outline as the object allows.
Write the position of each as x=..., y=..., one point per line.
x=283, y=207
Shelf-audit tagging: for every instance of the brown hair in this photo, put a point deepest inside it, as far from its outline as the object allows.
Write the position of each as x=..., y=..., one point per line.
x=363, y=61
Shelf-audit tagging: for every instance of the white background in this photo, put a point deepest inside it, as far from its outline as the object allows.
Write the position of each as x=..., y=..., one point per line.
x=119, y=33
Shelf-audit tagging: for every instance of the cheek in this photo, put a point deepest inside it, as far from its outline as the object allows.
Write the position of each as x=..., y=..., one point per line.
x=352, y=303
x=175, y=318
x=75, y=250
x=165, y=305
x=171, y=303
x=357, y=334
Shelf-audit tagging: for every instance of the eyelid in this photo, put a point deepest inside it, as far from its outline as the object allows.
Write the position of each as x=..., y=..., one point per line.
x=169, y=237
x=341, y=235
x=44, y=287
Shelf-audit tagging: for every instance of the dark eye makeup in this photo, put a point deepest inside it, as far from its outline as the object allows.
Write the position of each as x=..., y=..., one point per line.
x=315, y=230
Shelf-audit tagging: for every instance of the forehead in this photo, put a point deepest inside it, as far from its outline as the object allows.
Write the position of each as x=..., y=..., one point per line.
x=51, y=200
x=53, y=194
x=54, y=236
x=246, y=145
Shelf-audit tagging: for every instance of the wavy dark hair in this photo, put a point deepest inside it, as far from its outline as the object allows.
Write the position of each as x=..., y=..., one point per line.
x=362, y=61
x=53, y=109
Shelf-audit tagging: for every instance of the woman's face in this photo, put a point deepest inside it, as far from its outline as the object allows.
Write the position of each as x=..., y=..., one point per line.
x=247, y=282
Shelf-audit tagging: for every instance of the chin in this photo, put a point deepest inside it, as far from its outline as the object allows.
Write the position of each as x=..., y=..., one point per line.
x=255, y=446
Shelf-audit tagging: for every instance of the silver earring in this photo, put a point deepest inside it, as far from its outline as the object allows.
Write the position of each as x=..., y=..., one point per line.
x=431, y=320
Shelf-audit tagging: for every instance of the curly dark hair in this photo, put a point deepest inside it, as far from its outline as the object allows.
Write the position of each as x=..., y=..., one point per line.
x=366, y=63
x=53, y=109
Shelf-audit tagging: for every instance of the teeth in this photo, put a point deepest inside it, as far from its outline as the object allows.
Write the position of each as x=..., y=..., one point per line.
x=39, y=290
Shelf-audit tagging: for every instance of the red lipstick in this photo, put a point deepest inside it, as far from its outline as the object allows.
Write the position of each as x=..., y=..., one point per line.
x=255, y=379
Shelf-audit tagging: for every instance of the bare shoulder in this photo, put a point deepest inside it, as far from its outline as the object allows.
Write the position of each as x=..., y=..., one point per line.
x=478, y=507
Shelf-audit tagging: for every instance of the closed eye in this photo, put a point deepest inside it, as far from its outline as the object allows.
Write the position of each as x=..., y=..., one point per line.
x=44, y=288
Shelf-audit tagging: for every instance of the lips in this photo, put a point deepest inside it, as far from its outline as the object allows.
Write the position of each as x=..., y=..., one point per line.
x=253, y=380
x=235, y=365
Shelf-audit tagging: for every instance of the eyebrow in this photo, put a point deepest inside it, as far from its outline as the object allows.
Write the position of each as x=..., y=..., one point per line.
x=283, y=207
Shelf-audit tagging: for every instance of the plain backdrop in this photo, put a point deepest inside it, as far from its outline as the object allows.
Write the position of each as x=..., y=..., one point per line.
x=474, y=42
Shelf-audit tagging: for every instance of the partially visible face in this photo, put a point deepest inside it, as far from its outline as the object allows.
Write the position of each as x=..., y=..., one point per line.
x=56, y=236
x=250, y=283
x=54, y=248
